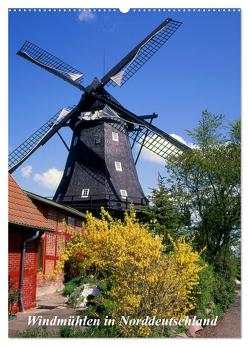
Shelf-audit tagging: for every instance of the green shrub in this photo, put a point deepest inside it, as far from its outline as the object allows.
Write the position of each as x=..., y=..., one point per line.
x=68, y=289
x=237, y=261
x=12, y=297
x=71, y=285
x=40, y=332
x=206, y=290
x=224, y=291
x=226, y=268
x=91, y=332
x=216, y=292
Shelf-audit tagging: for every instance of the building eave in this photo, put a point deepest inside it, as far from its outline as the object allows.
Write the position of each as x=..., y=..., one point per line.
x=48, y=201
x=31, y=227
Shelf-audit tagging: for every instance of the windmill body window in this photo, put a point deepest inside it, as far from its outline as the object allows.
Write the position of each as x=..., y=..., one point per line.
x=115, y=136
x=123, y=193
x=97, y=141
x=118, y=166
x=85, y=193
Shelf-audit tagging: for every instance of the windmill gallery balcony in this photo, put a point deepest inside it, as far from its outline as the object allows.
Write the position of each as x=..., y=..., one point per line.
x=108, y=201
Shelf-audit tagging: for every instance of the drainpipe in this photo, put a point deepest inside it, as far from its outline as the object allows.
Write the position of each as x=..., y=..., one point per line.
x=21, y=306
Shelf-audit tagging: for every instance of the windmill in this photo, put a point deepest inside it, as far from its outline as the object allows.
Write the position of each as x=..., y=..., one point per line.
x=100, y=168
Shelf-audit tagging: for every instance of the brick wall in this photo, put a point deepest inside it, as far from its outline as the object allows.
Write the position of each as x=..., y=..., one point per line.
x=16, y=238
x=53, y=246
x=40, y=282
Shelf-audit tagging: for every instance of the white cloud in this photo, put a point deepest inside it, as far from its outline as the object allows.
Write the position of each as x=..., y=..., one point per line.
x=148, y=155
x=180, y=139
x=26, y=171
x=86, y=16
x=49, y=179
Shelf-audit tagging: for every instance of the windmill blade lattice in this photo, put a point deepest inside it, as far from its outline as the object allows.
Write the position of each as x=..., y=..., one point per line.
x=162, y=146
x=23, y=151
x=155, y=143
x=155, y=140
x=119, y=75
x=52, y=64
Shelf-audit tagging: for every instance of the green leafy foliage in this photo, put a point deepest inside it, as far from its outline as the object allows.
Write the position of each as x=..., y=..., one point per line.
x=205, y=296
x=164, y=215
x=100, y=331
x=224, y=292
x=207, y=180
x=208, y=133
x=12, y=297
x=201, y=195
x=72, y=284
x=40, y=332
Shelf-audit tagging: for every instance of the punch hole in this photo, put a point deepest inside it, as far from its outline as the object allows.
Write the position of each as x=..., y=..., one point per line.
x=124, y=9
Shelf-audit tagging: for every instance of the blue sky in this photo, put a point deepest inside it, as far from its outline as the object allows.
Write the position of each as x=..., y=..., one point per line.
x=197, y=69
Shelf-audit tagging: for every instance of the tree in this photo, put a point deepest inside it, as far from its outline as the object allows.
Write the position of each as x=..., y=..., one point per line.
x=164, y=214
x=207, y=180
x=202, y=191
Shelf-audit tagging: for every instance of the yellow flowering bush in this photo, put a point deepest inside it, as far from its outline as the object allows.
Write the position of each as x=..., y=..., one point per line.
x=144, y=280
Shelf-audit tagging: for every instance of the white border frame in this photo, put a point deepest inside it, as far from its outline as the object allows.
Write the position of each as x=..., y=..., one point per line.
x=4, y=140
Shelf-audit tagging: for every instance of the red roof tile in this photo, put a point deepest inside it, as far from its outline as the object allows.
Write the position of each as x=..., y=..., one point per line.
x=21, y=209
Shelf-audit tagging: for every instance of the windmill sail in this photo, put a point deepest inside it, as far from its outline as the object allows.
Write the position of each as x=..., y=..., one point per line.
x=23, y=151
x=52, y=64
x=157, y=143
x=133, y=61
x=145, y=134
x=156, y=140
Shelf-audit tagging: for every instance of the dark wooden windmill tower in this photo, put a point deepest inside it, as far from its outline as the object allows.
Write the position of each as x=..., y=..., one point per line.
x=100, y=169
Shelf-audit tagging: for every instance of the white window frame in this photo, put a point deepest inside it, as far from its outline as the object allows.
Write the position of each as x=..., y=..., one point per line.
x=123, y=194
x=97, y=141
x=118, y=166
x=115, y=136
x=85, y=193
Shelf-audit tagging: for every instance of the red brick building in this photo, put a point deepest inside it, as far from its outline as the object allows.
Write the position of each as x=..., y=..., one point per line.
x=38, y=230
x=61, y=219
x=25, y=223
